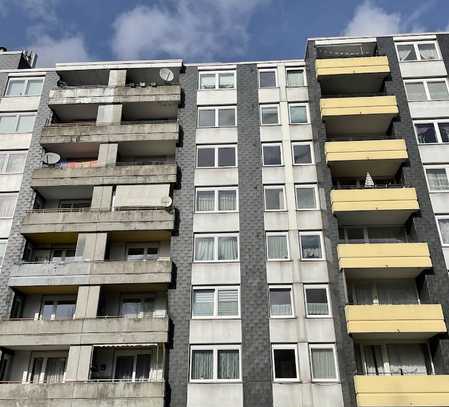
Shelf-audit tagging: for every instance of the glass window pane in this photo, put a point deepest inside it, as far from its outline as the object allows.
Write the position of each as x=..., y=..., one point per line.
x=437, y=178
x=277, y=247
x=228, y=364
x=226, y=117
x=205, y=201
x=34, y=87
x=227, y=248
x=444, y=230
x=228, y=302
x=131, y=307
x=204, y=248
x=426, y=133
x=8, y=124
x=143, y=366
x=16, y=163
x=444, y=131
x=36, y=370
x=295, y=77
x=267, y=79
x=54, y=371
x=206, y=118
x=274, y=199
x=26, y=123
x=226, y=157
x=207, y=81
x=427, y=51
x=298, y=114
x=355, y=234
x=284, y=364
x=305, y=198
x=406, y=52
x=438, y=90
x=47, y=310
x=202, y=365
x=124, y=366
x=227, y=200
x=311, y=247
x=302, y=154
x=135, y=253
x=272, y=155
x=280, y=302
x=323, y=364
x=16, y=87
x=316, y=299
x=203, y=303
x=226, y=80
x=7, y=206
x=65, y=310
x=416, y=91
x=269, y=115
x=206, y=157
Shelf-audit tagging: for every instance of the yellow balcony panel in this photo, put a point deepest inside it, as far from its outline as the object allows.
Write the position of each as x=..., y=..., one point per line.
x=381, y=158
x=374, y=206
x=402, y=391
x=383, y=260
x=358, y=115
x=386, y=321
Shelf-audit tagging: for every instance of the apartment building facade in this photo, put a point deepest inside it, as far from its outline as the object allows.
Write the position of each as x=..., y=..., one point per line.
x=267, y=233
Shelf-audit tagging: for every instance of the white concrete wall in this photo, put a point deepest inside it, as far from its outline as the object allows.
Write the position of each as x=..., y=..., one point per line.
x=217, y=394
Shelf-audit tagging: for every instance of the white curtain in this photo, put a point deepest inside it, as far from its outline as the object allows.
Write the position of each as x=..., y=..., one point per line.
x=444, y=229
x=205, y=200
x=298, y=114
x=228, y=301
x=438, y=90
x=444, y=131
x=203, y=302
x=16, y=163
x=416, y=91
x=228, y=364
x=311, y=247
x=55, y=370
x=280, y=301
x=407, y=359
x=204, y=248
x=277, y=247
x=8, y=124
x=202, y=364
x=397, y=292
x=226, y=80
x=374, y=360
x=7, y=205
x=26, y=123
x=323, y=364
x=317, y=301
x=227, y=248
x=295, y=78
x=143, y=367
x=406, y=52
x=207, y=81
x=274, y=198
x=227, y=200
x=305, y=198
x=427, y=51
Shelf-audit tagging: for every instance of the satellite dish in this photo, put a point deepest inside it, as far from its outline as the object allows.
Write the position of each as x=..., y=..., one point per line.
x=166, y=74
x=166, y=201
x=51, y=158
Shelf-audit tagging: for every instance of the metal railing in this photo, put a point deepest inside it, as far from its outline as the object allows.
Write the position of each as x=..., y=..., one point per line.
x=50, y=124
x=375, y=186
x=80, y=259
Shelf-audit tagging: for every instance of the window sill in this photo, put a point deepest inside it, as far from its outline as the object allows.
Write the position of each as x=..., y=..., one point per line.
x=307, y=209
x=282, y=317
x=217, y=127
x=270, y=124
x=276, y=210
x=299, y=124
x=215, y=261
x=286, y=381
x=216, y=381
x=208, y=318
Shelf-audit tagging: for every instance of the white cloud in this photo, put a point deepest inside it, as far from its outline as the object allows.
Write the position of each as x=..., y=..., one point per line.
x=184, y=28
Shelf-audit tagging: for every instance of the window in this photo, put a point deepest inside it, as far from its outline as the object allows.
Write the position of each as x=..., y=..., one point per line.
x=216, y=156
x=58, y=308
x=136, y=306
x=3, y=244
x=285, y=363
x=7, y=205
x=269, y=114
x=323, y=363
x=267, y=78
x=311, y=244
x=317, y=300
x=306, y=197
x=436, y=131
x=277, y=246
x=274, y=198
x=223, y=199
x=133, y=365
x=215, y=302
x=142, y=251
x=443, y=226
x=272, y=154
x=295, y=77
x=24, y=87
x=298, y=113
x=281, y=302
x=215, y=363
x=224, y=116
x=437, y=178
x=417, y=51
x=222, y=247
x=217, y=80
x=382, y=234
x=74, y=203
x=17, y=123
x=62, y=254
x=302, y=153
x=429, y=89
x=47, y=367
x=384, y=291
x=12, y=163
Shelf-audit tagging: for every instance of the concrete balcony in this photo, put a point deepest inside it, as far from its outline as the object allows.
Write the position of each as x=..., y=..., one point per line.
x=83, y=331
x=381, y=158
x=387, y=206
x=420, y=321
x=358, y=115
x=48, y=221
x=383, y=260
x=122, y=174
x=91, y=273
x=402, y=391
x=86, y=394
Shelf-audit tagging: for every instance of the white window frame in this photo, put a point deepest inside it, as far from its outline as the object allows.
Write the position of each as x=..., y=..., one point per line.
x=275, y=70
x=317, y=286
x=425, y=82
x=8, y=155
x=417, y=53
x=263, y=155
x=216, y=191
x=312, y=152
x=9, y=195
x=276, y=105
x=312, y=233
x=292, y=304
x=216, y=289
x=215, y=349
x=26, y=80
x=45, y=355
x=267, y=234
x=315, y=191
x=306, y=105
x=216, y=236
x=334, y=351
x=217, y=82
x=436, y=167
x=134, y=353
x=265, y=188
x=436, y=127
x=216, y=147
x=438, y=217
x=296, y=68
x=216, y=110
x=17, y=116
x=291, y=346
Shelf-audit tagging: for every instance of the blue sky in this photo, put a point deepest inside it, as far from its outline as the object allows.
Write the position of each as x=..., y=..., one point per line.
x=201, y=30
